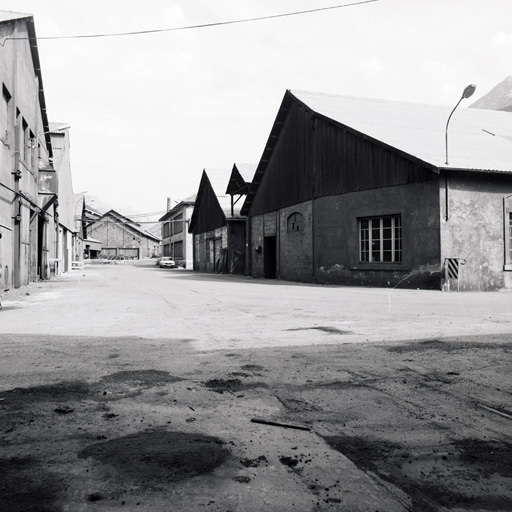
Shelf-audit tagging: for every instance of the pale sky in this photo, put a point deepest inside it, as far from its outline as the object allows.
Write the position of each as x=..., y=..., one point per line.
x=149, y=112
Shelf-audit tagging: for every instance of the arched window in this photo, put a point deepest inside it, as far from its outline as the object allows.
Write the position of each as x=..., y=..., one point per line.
x=295, y=222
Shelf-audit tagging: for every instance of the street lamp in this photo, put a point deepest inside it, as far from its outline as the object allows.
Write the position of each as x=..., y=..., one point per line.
x=468, y=92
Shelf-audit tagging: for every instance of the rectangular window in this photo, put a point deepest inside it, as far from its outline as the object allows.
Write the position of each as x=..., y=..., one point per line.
x=178, y=250
x=177, y=224
x=380, y=239
x=166, y=230
x=26, y=140
x=510, y=237
x=4, y=116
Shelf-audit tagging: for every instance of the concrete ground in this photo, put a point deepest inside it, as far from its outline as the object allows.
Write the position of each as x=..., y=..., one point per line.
x=129, y=387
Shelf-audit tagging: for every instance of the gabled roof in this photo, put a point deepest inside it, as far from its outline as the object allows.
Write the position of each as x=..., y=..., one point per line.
x=127, y=222
x=217, y=179
x=478, y=140
x=189, y=201
x=240, y=179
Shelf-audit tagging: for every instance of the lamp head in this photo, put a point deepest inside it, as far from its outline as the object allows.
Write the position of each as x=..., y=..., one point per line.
x=468, y=91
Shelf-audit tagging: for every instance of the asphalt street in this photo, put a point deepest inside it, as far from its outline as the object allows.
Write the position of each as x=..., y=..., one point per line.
x=129, y=387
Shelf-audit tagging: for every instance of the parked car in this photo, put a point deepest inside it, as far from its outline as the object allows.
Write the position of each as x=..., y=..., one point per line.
x=167, y=262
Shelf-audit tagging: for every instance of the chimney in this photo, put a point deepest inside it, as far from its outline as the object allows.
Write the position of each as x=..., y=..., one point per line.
x=169, y=204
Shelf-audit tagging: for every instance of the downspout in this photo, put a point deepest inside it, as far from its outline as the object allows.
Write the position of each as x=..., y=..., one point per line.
x=446, y=196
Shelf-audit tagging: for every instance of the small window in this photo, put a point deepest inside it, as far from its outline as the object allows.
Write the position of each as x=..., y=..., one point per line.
x=26, y=140
x=509, y=237
x=177, y=250
x=177, y=224
x=295, y=222
x=4, y=124
x=380, y=239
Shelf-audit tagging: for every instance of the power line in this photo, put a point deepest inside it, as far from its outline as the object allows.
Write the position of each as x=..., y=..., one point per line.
x=204, y=25
x=146, y=214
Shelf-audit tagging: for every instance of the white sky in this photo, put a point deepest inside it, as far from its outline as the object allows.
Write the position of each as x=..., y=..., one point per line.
x=149, y=112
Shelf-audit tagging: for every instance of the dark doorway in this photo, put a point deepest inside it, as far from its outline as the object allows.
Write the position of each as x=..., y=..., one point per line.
x=270, y=256
x=41, y=249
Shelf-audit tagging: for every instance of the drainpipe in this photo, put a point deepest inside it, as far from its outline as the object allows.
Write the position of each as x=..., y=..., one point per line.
x=446, y=196
x=17, y=224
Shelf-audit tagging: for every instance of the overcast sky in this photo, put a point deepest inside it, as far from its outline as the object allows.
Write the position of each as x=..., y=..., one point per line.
x=149, y=112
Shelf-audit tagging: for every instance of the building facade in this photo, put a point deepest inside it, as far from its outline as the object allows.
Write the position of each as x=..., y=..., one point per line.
x=28, y=182
x=358, y=192
x=69, y=236
x=218, y=228
x=121, y=237
x=177, y=242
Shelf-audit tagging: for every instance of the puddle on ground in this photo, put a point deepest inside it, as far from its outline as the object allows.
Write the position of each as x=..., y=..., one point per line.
x=231, y=385
x=159, y=456
x=326, y=329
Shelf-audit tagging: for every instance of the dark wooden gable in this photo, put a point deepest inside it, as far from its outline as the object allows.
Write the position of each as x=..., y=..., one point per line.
x=308, y=155
x=208, y=214
x=237, y=184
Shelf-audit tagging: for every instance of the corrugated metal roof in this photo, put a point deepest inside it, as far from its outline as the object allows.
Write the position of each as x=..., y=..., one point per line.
x=11, y=15
x=477, y=139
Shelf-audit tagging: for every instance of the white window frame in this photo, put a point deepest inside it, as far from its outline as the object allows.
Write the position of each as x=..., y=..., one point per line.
x=371, y=247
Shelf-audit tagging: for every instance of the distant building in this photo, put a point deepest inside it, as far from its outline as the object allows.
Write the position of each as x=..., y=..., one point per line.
x=120, y=237
x=177, y=242
x=69, y=237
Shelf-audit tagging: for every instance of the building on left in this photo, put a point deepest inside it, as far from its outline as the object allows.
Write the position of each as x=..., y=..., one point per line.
x=33, y=244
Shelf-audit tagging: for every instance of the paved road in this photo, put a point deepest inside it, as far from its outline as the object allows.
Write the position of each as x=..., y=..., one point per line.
x=128, y=387
x=221, y=312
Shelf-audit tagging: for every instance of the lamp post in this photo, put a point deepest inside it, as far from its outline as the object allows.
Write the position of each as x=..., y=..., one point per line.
x=468, y=92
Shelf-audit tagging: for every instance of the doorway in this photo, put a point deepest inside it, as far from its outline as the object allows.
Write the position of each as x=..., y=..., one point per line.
x=270, y=256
